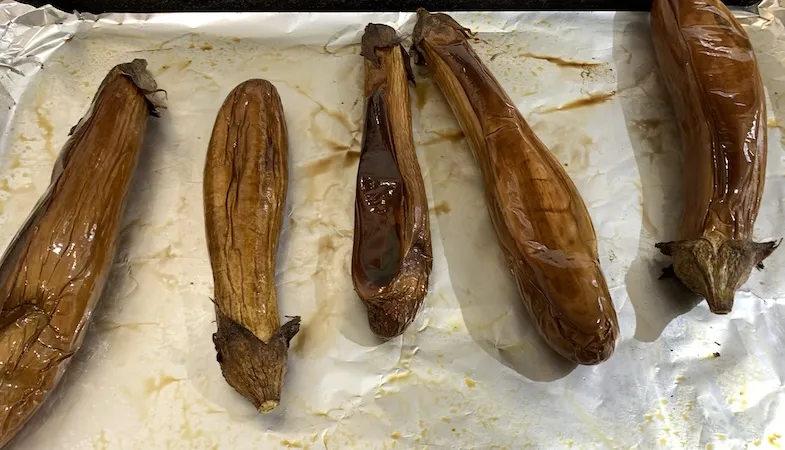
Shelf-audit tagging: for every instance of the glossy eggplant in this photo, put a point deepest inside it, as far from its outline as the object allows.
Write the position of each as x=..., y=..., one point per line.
x=392, y=255
x=245, y=183
x=542, y=223
x=54, y=270
x=710, y=69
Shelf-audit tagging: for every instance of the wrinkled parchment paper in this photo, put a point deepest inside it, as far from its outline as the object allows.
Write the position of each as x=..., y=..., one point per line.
x=470, y=372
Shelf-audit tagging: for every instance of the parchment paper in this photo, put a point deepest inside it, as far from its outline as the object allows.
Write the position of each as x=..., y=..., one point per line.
x=470, y=372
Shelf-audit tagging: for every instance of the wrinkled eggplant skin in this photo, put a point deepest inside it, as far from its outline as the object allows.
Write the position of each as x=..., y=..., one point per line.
x=542, y=223
x=55, y=269
x=709, y=67
x=245, y=184
x=391, y=258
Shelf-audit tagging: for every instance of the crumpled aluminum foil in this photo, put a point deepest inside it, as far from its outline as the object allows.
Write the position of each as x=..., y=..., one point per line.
x=470, y=372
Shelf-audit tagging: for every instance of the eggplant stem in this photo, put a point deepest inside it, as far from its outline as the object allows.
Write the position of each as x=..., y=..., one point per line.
x=254, y=368
x=715, y=267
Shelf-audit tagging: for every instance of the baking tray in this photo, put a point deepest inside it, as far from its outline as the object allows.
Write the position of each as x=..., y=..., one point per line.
x=359, y=5
x=470, y=372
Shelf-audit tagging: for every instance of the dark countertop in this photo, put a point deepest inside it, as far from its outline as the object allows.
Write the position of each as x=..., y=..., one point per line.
x=98, y=6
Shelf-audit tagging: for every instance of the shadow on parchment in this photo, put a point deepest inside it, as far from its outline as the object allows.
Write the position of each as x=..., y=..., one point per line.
x=492, y=308
x=118, y=287
x=656, y=143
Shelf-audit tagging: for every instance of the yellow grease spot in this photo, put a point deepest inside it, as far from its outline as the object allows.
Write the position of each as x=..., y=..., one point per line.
x=469, y=382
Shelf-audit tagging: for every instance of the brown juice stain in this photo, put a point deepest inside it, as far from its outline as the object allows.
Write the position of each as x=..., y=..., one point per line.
x=321, y=136
x=648, y=224
x=235, y=39
x=444, y=136
x=591, y=100
x=353, y=46
x=319, y=331
x=339, y=116
x=43, y=121
x=4, y=186
x=206, y=47
x=561, y=62
x=450, y=135
x=182, y=205
x=576, y=158
x=155, y=385
x=442, y=208
x=187, y=431
x=101, y=442
x=351, y=158
x=335, y=162
x=422, y=91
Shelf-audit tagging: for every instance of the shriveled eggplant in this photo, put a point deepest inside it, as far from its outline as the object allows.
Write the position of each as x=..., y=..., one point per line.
x=542, y=223
x=709, y=67
x=54, y=270
x=245, y=182
x=392, y=255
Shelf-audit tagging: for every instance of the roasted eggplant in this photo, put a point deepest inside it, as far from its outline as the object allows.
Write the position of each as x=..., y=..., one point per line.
x=245, y=183
x=542, y=223
x=54, y=270
x=709, y=67
x=392, y=257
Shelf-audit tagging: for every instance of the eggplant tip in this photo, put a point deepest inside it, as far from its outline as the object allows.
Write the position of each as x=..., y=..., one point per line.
x=267, y=406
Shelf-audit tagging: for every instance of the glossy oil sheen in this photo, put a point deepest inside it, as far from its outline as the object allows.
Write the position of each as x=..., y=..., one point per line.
x=709, y=67
x=391, y=256
x=379, y=200
x=55, y=268
x=542, y=223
